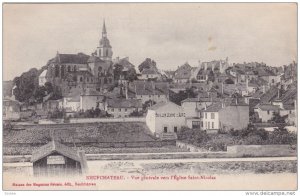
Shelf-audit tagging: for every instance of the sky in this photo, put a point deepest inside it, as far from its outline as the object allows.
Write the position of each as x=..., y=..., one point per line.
x=169, y=33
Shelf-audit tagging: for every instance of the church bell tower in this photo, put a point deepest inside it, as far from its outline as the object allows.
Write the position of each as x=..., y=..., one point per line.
x=104, y=49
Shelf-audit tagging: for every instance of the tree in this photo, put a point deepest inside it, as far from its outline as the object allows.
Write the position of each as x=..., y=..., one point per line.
x=39, y=93
x=147, y=64
x=118, y=71
x=277, y=118
x=26, y=85
x=48, y=87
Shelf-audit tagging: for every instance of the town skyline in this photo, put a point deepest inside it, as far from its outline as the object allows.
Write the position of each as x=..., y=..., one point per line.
x=170, y=44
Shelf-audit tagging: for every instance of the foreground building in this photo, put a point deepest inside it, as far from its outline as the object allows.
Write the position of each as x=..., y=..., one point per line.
x=165, y=118
x=225, y=116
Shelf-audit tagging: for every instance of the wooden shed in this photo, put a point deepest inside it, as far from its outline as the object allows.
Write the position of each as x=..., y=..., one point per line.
x=56, y=159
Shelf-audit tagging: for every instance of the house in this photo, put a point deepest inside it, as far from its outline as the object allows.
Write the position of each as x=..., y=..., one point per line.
x=266, y=111
x=192, y=106
x=165, y=118
x=120, y=108
x=92, y=99
x=11, y=109
x=225, y=115
x=149, y=74
x=56, y=159
x=125, y=67
x=71, y=104
x=149, y=90
x=183, y=73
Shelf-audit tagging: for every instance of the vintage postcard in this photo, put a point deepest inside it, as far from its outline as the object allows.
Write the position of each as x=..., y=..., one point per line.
x=149, y=96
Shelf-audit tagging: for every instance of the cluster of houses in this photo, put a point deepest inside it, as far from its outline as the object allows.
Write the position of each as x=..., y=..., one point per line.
x=225, y=95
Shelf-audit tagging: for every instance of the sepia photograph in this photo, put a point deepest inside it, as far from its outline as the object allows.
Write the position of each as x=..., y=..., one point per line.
x=150, y=96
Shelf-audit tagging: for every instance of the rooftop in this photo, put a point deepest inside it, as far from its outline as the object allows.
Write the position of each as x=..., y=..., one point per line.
x=54, y=146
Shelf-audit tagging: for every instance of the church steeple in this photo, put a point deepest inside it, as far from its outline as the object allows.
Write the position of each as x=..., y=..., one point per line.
x=104, y=50
x=104, y=29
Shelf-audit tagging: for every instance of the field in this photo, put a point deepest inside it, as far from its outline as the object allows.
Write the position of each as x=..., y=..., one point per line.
x=93, y=138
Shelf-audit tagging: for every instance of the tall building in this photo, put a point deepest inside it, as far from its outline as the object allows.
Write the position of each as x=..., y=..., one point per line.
x=104, y=49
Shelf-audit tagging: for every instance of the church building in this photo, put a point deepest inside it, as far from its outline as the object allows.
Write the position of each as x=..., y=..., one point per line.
x=81, y=72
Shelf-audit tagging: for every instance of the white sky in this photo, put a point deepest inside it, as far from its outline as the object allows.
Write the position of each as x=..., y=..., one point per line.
x=171, y=34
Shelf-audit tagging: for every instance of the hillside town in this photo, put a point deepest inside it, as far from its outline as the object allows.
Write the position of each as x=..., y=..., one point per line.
x=215, y=96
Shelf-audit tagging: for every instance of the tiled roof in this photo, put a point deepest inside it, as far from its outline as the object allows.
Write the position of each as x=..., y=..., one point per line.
x=266, y=107
x=161, y=104
x=201, y=99
x=52, y=147
x=149, y=88
x=289, y=96
x=149, y=71
x=124, y=103
x=183, y=72
x=271, y=94
x=94, y=59
x=125, y=63
x=214, y=107
x=79, y=58
x=289, y=107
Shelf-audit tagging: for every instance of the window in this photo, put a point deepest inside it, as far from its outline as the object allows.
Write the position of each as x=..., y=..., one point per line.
x=290, y=111
x=81, y=79
x=149, y=96
x=208, y=125
x=175, y=129
x=112, y=109
x=105, y=80
x=158, y=96
x=273, y=81
x=69, y=68
x=205, y=115
x=268, y=112
x=125, y=109
x=74, y=68
x=202, y=124
x=165, y=129
x=106, y=53
x=212, y=125
x=120, y=109
x=195, y=124
x=212, y=115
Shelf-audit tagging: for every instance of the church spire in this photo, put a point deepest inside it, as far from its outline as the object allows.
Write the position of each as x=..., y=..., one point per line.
x=104, y=29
